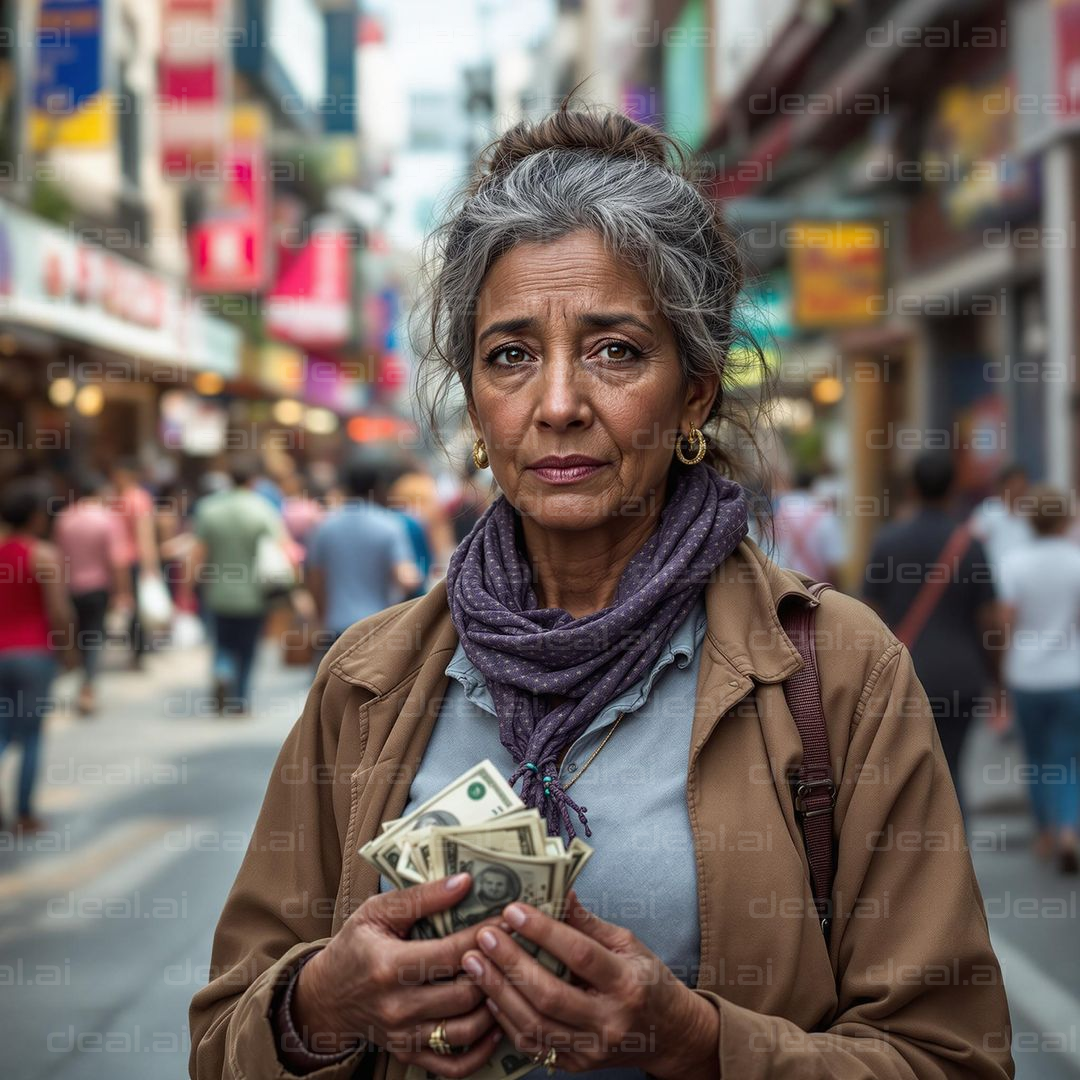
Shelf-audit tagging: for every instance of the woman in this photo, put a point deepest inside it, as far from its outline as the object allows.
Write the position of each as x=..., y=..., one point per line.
x=35, y=624
x=606, y=618
x=1040, y=591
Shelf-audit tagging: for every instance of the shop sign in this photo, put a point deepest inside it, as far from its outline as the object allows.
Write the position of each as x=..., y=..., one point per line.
x=311, y=302
x=192, y=78
x=71, y=105
x=85, y=293
x=970, y=156
x=837, y=273
x=229, y=246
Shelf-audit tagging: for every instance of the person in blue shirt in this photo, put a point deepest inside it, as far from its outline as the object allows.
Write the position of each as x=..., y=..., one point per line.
x=360, y=559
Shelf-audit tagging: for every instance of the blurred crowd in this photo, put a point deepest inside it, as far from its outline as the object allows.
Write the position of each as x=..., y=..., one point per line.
x=987, y=599
x=119, y=566
x=986, y=596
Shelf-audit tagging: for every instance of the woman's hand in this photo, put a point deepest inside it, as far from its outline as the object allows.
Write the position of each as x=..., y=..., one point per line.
x=369, y=982
x=627, y=1009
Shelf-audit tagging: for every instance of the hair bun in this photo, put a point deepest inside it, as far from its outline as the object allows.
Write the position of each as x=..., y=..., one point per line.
x=602, y=130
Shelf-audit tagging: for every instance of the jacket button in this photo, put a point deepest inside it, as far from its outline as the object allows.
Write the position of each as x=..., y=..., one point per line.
x=572, y=767
x=734, y=682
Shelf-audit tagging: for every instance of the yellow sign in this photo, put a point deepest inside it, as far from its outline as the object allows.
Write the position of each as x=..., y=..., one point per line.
x=837, y=273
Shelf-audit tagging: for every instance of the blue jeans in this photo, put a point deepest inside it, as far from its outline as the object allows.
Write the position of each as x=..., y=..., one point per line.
x=26, y=677
x=1049, y=722
x=236, y=638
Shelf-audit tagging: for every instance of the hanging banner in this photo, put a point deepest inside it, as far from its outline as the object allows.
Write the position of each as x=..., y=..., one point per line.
x=71, y=106
x=192, y=90
x=229, y=246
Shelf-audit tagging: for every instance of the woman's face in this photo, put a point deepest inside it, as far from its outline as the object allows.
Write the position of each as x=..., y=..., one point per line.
x=571, y=356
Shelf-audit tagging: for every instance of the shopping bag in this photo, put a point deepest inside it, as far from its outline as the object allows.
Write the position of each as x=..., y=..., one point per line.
x=274, y=570
x=155, y=604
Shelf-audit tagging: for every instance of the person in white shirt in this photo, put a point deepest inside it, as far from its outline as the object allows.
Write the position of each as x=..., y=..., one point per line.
x=998, y=521
x=808, y=534
x=1040, y=590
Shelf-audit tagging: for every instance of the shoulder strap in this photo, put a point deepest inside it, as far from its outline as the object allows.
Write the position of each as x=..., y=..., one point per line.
x=815, y=791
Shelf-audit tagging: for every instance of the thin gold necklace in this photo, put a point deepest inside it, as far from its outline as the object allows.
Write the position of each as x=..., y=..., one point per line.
x=566, y=787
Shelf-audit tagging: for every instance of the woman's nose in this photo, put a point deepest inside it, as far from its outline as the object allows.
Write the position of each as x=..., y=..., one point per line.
x=562, y=395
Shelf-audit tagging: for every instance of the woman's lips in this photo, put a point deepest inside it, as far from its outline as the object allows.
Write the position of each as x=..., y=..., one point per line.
x=570, y=475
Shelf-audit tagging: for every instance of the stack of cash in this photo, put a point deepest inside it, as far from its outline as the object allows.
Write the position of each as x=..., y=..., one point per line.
x=477, y=824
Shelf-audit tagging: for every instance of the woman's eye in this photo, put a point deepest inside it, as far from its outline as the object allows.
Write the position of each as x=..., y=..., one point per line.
x=514, y=356
x=617, y=350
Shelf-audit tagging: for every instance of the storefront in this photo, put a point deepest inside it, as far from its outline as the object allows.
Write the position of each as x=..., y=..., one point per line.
x=88, y=342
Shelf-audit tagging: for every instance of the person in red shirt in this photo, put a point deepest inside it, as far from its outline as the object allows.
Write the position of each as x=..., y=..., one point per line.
x=36, y=627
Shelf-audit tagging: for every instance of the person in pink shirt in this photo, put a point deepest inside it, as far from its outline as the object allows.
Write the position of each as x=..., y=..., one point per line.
x=138, y=543
x=90, y=537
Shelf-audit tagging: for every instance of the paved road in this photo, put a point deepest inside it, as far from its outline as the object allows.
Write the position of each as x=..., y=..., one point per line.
x=105, y=923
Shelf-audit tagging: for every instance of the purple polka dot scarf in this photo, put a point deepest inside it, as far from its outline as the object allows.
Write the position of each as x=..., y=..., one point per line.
x=525, y=652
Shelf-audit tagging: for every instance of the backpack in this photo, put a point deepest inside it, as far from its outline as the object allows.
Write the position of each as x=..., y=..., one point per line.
x=813, y=787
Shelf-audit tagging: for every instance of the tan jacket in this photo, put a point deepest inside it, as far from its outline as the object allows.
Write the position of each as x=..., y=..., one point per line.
x=908, y=985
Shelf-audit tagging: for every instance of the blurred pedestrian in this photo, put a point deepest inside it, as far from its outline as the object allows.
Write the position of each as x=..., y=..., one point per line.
x=89, y=537
x=999, y=521
x=360, y=560
x=228, y=528
x=928, y=578
x=138, y=544
x=473, y=498
x=808, y=534
x=36, y=627
x=414, y=526
x=416, y=492
x=1040, y=591
x=303, y=509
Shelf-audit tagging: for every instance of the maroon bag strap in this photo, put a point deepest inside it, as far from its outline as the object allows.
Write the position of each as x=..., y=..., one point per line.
x=815, y=791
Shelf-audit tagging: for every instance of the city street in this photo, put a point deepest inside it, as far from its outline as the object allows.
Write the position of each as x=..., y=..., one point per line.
x=106, y=922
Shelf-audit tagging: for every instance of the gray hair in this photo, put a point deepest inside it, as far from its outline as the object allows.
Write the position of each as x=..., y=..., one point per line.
x=610, y=175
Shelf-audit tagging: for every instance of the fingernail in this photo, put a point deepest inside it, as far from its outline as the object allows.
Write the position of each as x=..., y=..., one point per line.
x=515, y=916
x=456, y=881
x=473, y=966
x=491, y=1005
x=488, y=940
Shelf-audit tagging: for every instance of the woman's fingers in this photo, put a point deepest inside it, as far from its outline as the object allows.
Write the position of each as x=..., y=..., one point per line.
x=439, y=1001
x=587, y=955
x=398, y=909
x=549, y=995
x=523, y=1024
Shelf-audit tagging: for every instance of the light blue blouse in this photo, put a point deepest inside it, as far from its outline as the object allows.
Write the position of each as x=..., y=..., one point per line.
x=643, y=873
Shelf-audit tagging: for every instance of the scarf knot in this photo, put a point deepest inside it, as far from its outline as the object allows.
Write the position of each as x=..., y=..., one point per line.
x=525, y=652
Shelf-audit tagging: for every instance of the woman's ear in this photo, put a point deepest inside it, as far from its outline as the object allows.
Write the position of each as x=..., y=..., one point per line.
x=700, y=396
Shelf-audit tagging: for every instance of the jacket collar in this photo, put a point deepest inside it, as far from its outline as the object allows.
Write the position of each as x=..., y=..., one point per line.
x=742, y=603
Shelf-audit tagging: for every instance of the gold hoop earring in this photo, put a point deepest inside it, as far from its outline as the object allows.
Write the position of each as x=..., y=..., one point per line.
x=480, y=454
x=695, y=436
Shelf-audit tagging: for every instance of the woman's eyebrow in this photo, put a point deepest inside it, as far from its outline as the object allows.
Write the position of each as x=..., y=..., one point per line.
x=608, y=320
x=507, y=326
x=595, y=320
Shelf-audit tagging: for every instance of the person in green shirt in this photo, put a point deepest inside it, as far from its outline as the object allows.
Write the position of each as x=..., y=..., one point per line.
x=228, y=527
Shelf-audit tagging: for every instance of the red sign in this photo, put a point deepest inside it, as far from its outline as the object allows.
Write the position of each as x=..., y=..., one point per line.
x=228, y=248
x=310, y=304
x=192, y=77
x=1067, y=39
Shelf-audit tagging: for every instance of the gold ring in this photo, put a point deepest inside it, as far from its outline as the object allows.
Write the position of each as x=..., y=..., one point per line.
x=549, y=1060
x=437, y=1040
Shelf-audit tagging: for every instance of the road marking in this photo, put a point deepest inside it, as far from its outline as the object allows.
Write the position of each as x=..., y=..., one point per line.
x=71, y=870
x=1051, y=1011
